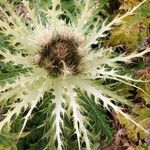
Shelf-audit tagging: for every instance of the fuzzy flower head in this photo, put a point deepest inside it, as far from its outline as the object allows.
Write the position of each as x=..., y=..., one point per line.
x=57, y=52
x=60, y=51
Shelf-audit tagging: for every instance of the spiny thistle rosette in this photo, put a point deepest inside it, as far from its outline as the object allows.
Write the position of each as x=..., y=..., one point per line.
x=58, y=55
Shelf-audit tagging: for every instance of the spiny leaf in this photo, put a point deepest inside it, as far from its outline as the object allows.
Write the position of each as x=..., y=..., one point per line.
x=97, y=116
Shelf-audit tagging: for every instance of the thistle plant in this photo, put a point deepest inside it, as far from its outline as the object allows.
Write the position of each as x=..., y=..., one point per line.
x=55, y=48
